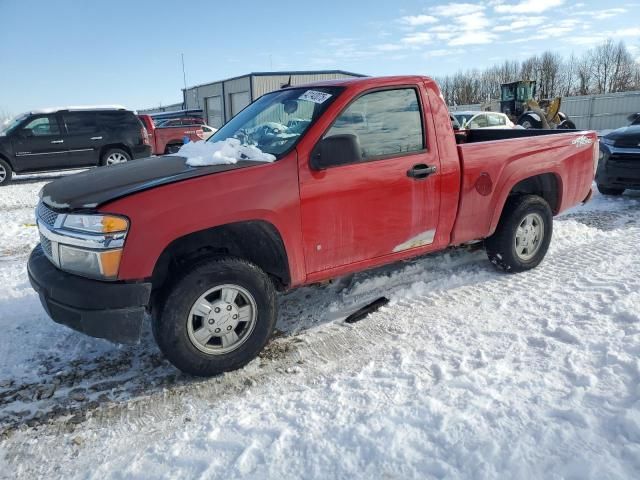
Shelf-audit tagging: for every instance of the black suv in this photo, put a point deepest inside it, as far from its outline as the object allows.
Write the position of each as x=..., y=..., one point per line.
x=70, y=138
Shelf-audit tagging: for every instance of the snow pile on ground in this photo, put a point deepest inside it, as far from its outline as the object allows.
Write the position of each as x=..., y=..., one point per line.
x=466, y=373
x=200, y=154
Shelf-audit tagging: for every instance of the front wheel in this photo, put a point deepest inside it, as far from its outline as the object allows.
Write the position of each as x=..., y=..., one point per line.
x=216, y=317
x=523, y=235
x=6, y=173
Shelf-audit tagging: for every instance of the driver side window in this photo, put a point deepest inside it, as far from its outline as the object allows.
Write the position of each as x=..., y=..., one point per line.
x=386, y=122
x=43, y=126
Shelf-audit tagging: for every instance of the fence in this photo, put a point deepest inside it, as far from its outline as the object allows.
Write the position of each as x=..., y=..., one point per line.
x=593, y=112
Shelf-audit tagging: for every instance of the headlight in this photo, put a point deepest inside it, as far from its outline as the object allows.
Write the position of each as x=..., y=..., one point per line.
x=96, y=223
x=90, y=263
x=607, y=141
x=84, y=244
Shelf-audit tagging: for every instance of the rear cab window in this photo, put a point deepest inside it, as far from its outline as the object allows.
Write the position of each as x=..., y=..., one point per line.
x=386, y=123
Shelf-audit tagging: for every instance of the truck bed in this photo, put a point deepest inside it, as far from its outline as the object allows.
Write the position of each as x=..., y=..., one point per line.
x=496, y=160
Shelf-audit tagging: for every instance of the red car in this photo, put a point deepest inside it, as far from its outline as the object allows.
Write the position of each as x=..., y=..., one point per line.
x=366, y=172
x=170, y=137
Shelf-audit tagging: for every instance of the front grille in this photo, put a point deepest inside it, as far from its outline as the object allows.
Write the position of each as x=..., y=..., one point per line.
x=624, y=161
x=46, y=246
x=627, y=143
x=46, y=215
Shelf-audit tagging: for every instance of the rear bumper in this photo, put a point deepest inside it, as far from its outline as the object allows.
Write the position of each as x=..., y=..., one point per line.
x=110, y=310
x=141, y=151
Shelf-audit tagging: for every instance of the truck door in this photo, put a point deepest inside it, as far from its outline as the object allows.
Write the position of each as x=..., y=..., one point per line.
x=386, y=202
x=39, y=145
x=82, y=137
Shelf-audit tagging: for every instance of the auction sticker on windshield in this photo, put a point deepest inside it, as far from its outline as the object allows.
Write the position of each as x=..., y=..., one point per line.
x=315, y=96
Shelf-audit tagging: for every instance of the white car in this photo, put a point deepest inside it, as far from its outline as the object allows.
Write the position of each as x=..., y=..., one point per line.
x=482, y=120
x=207, y=131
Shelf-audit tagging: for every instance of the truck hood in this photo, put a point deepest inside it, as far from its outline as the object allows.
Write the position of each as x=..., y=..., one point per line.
x=90, y=189
x=625, y=137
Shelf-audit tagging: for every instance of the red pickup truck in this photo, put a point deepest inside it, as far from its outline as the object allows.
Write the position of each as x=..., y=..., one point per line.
x=365, y=172
x=169, y=139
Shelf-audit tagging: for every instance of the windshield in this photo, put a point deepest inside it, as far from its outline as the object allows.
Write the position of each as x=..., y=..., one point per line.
x=10, y=124
x=276, y=121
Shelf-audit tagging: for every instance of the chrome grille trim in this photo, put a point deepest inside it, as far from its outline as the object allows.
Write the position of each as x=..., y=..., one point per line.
x=46, y=215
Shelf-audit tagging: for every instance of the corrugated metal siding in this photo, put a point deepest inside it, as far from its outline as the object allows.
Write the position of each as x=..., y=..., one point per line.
x=195, y=96
x=268, y=83
x=599, y=112
x=462, y=108
x=237, y=85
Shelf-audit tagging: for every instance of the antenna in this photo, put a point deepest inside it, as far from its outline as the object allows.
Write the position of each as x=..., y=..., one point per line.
x=184, y=75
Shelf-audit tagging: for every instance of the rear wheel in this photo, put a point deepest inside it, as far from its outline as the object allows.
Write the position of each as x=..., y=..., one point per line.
x=6, y=174
x=523, y=235
x=610, y=191
x=216, y=317
x=173, y=148
x=114, y=156
x=527, y=121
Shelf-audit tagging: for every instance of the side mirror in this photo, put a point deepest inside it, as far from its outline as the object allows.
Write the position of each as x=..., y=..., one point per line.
x=336, y=150
x=25, y=133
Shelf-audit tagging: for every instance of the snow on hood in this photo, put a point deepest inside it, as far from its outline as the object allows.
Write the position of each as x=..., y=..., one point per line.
x=200, y=154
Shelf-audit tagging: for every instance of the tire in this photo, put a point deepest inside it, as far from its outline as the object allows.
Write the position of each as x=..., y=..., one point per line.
x=173, y=148
x=566, y=125
x=527, y=122
x=194, y=341
x=6, y=174
x=505, y=247
x=610, y=191
x=113, y=156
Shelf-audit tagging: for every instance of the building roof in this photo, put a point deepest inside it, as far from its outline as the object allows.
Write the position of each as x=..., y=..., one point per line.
x=284, y=73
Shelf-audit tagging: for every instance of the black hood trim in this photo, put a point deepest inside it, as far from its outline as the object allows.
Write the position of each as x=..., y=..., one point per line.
x=91, y=189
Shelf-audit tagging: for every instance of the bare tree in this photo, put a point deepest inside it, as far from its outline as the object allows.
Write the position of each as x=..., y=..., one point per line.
x=609, y=67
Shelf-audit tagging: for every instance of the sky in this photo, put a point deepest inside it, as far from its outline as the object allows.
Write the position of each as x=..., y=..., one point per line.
x=67, y=52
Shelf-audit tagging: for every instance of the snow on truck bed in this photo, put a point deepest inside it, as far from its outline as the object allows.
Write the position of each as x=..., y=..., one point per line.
x=466, y=373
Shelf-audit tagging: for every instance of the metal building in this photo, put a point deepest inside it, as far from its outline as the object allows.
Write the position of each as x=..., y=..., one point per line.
x=223, y=99
x=174, y=107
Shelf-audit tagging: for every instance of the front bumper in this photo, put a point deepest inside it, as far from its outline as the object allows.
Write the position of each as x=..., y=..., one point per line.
x=110, y=310
x=619, y=167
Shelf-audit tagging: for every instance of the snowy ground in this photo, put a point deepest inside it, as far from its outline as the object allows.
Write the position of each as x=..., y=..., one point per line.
x=467, y=373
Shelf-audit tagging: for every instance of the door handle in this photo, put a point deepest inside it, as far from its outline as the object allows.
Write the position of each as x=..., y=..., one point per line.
x=96, y=138
x=57, y=141
x=421, y=171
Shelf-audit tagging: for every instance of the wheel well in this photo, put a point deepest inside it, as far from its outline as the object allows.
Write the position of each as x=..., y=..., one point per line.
x=2, y=157
x=172, y=143
x=256, y=241
x=121, y=146
x=544, y=185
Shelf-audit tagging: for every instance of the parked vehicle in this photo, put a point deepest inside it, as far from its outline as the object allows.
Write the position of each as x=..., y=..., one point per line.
x=619, y=167
x=367, y=172
x=483, y=120
x=168, y=138
x=68, y=138
x=517, y=100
